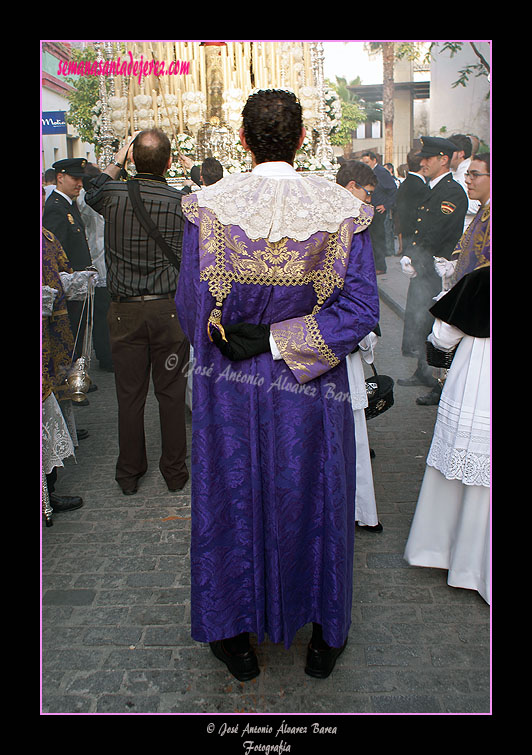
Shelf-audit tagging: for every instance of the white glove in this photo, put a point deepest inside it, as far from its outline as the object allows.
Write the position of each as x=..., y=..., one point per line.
x=406, y=267
x=48, y=298
x=445, y=269
x=76, y=284
x=366, y=347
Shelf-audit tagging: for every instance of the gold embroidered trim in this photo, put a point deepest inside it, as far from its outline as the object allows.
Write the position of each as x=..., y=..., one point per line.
x=311, y=263
x=315, y=340
x=189, y=206
x=273, y=265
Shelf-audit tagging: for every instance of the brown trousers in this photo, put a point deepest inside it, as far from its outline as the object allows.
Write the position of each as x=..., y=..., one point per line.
x=146, y=336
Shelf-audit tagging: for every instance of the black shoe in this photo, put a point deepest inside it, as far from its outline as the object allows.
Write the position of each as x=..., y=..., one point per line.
x=417, y=379
x=429, y=399
x=243, y=666
x=414, y=380
x=375, y=528
x=82, y=434
x=92, y=388
x=65, y=502
x=176, y=488
x=320, y=663
x=131, y=491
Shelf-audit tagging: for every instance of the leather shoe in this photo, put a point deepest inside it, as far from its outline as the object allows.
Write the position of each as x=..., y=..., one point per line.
x=65, y=502
x=82, y=434
x=375, y=528
x=243, y=666
x=417, y=380
x=429, y=399
x=175, y=487
x=320, y=663
x=414, y=380
x=132, y=491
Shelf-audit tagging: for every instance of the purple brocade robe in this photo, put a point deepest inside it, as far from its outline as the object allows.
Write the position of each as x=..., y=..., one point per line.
x=474, y=247
x=273, y=454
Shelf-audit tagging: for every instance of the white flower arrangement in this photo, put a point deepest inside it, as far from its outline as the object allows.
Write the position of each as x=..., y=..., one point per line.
x=183, y=144
x=333, y=108
x=307, y=160
x=309, y=99
x=194, y=109
x=233, y=106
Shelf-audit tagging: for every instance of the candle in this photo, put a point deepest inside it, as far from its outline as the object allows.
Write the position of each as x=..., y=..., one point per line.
x=202, y=69
x=227, y=67
x=154, y=106
x=180, y=106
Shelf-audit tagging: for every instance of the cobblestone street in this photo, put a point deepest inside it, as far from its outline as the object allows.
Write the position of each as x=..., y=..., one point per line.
x=116, y=604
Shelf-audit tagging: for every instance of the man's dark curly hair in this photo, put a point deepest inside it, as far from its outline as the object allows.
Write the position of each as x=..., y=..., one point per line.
x=354, y=170
x=272, y=122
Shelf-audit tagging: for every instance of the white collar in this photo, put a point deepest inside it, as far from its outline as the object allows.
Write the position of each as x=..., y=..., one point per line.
x=64, y=195
x=437, y=180
x=275, y=170
x=461, y=169
x=419, y=175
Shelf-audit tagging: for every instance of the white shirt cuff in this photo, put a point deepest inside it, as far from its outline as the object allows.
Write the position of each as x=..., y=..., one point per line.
x=276, y=354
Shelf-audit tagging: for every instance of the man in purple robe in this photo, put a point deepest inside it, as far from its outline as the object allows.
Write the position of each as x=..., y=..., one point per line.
x=277, y=286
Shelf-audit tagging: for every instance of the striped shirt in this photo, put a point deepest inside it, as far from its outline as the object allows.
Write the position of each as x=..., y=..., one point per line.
x=135, y=263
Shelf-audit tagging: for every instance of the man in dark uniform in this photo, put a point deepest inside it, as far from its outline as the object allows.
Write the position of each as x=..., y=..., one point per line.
x=146, y=336
x=62, y=217
x=410, y=195
x=383, y=200
x=439, y=225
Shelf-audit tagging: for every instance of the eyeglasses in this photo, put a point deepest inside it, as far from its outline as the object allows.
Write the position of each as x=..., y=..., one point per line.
x=368, y=193
x=475, y=174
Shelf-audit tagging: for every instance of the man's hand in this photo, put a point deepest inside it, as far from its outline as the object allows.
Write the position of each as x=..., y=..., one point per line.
x=244, y=340
x=186, y=162
x=122, y=156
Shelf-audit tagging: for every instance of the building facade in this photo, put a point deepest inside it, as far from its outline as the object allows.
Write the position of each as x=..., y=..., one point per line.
x=58, y=140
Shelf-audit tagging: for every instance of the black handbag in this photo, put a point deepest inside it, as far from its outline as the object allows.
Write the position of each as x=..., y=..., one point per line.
x=437, y=357
x=379, y=390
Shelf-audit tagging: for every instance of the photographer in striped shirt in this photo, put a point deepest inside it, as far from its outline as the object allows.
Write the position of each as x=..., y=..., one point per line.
x=142, y=273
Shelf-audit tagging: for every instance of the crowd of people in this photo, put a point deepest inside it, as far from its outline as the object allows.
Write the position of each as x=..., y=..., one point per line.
x=269, y=278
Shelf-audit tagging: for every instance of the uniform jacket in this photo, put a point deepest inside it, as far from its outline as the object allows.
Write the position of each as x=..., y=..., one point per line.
x=64, y=221
x=410, y=195
x=439, y=224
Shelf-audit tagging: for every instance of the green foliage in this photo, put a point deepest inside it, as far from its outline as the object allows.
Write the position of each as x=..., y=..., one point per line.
x=85, y=99
x=482, y=68
x=352, y=116
x=342, y=90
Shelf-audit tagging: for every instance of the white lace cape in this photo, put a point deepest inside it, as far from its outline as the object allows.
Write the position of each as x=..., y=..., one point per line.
x=274, y=201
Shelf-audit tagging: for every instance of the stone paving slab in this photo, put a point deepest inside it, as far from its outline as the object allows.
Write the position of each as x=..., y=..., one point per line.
x=116, y=603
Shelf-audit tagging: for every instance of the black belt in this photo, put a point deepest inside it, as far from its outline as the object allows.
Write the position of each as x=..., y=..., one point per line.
x=145, y=297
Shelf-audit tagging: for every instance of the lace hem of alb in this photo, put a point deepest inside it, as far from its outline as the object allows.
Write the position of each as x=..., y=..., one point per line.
x=57, y=442
x=275, y=208
x=460, y=463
